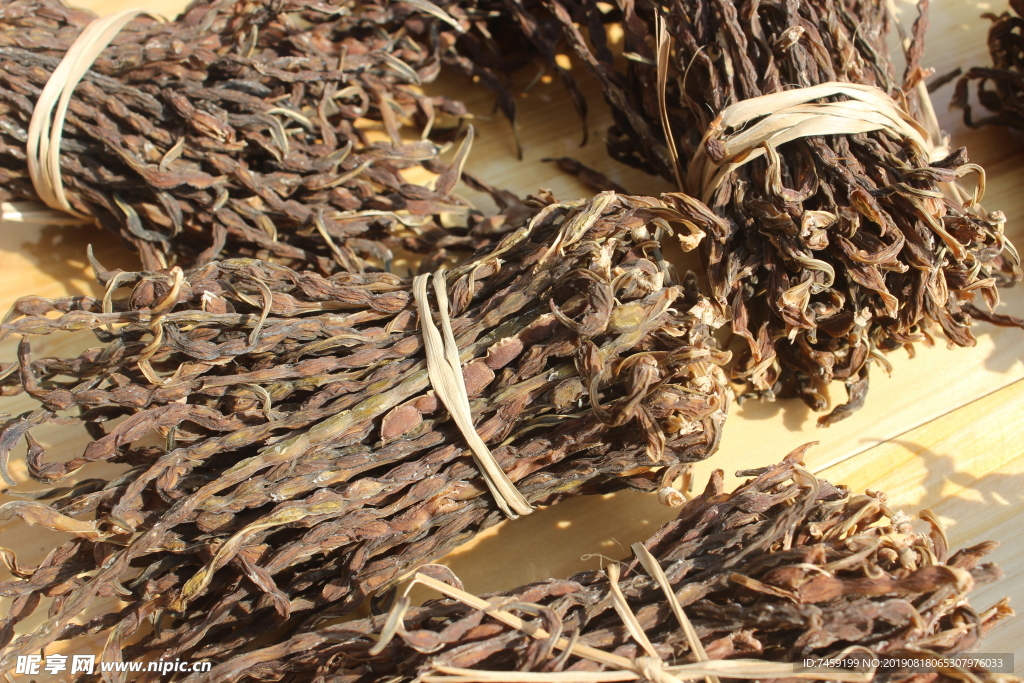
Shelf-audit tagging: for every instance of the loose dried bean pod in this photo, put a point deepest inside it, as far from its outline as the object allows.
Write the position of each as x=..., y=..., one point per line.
x=1005, y=75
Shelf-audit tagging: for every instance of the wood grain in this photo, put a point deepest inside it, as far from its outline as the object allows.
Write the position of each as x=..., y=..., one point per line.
x=945, y=431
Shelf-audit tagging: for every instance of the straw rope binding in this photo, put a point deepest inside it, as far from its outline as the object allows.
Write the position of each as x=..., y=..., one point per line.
x=792, y=114
x=445, y=372
x=650, y=667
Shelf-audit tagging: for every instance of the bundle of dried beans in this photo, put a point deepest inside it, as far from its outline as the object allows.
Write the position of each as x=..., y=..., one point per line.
x=836, y=241
x=261, y=129
x=784, y=568
x=304, y=463
x=1006, y=101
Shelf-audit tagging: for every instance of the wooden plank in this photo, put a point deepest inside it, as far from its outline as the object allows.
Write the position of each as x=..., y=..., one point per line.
x=968, y=468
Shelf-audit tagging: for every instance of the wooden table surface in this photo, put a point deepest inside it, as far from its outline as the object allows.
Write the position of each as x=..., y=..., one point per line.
x=943, y=432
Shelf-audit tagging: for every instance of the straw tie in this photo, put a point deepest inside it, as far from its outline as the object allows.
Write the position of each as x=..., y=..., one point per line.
x=792, y=114
x=647, y=667
x=733, y=141
x=444, y=370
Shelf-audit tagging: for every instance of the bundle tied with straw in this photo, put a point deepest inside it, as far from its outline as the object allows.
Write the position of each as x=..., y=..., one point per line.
x=843, y=233
x=302, y=460
x=1005, y=99
x=742, y=585
x=294, y=131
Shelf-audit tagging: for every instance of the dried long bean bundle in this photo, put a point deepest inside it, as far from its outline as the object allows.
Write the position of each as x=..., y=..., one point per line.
x=836, y=240
x=1006, y=99
x=785, y=567
x=260, y=129
x=303, y=462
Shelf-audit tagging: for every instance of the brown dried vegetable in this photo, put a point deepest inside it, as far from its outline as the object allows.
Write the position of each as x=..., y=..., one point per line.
x=305, y=464
x=1006, y=75
x=831, y=249
x=247, y=129
x=785, y=567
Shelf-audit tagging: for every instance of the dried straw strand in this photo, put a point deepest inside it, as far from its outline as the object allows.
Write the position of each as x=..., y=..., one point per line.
x=47, y=124
x=445, y=372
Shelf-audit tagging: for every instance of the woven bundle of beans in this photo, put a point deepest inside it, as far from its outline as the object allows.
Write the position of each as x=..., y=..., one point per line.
x=842, y=232
x=785, y=568
x=279, y=130
x=302, y=460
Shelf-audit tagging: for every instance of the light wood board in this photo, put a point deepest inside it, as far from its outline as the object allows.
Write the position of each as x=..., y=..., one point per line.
x=944, y=432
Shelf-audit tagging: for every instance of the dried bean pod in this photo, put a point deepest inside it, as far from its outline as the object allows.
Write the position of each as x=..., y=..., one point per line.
x=784, y=568
x=304, y=464
x=832, y=249
x=272, y=130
